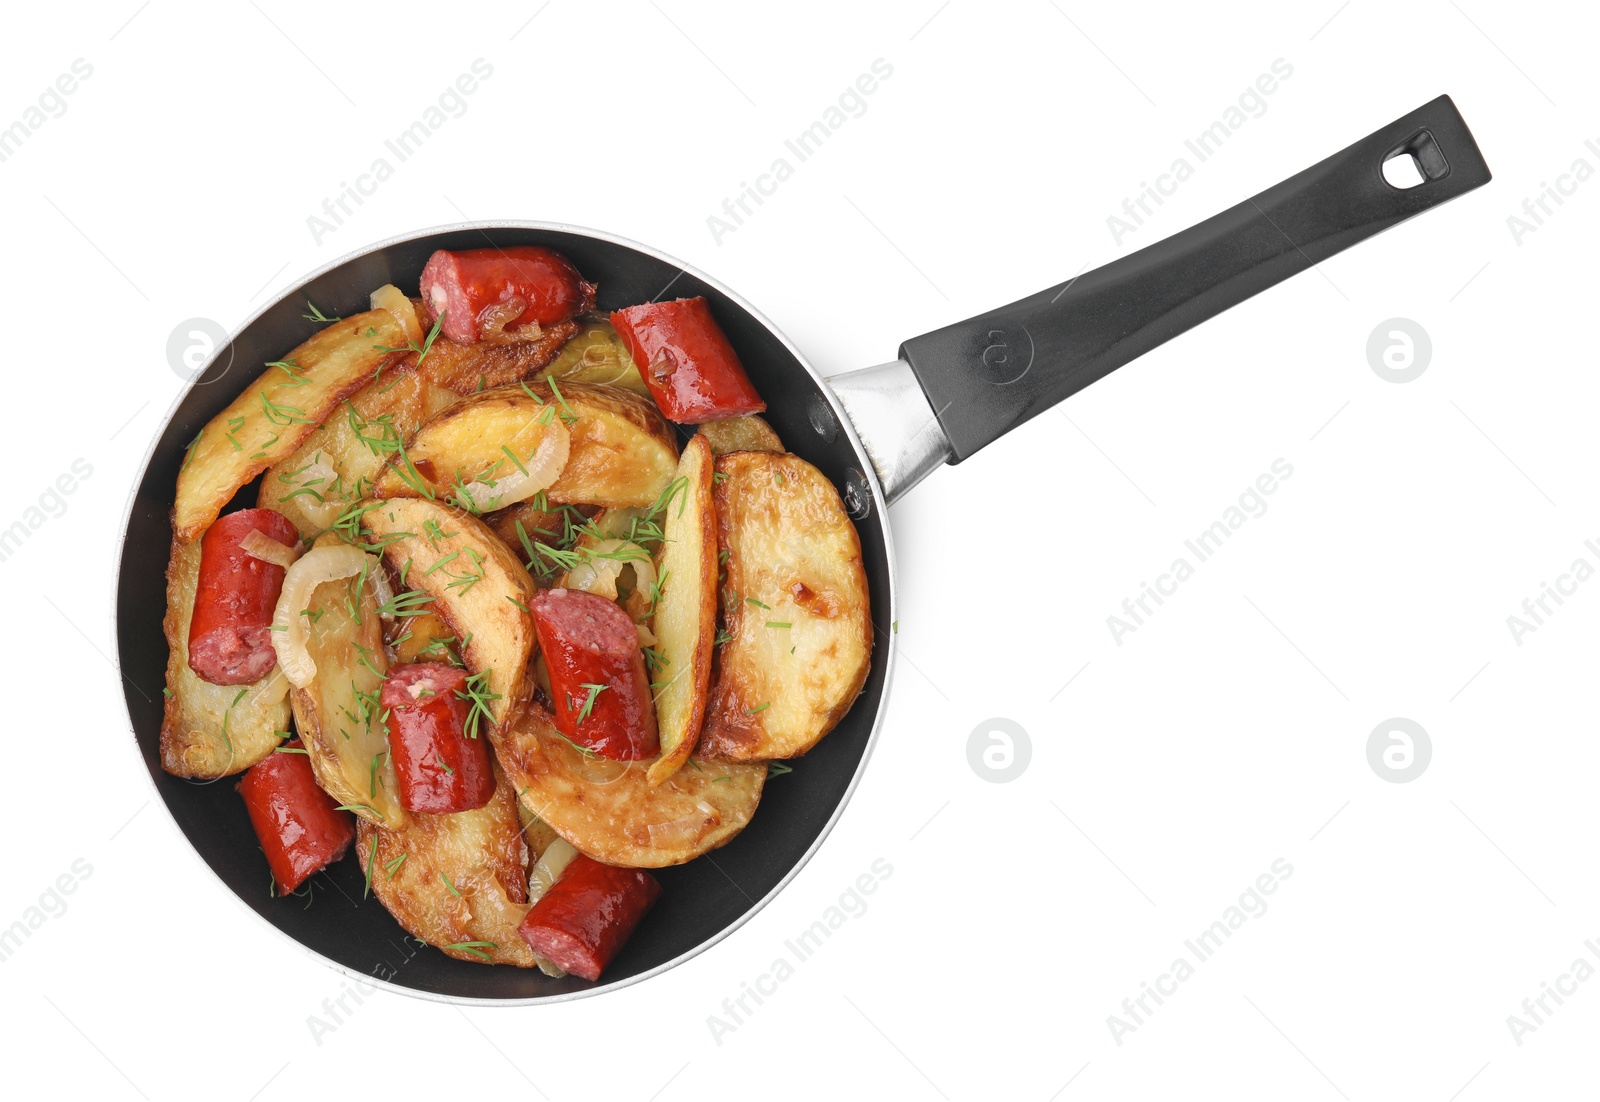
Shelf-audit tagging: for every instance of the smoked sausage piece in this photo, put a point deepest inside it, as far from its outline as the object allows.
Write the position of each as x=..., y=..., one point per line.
x=597, y=674
x=300, y=827
x=480, y=291
x=685, y=359
x=588, y=914
x=438, y=767
x=230, y=633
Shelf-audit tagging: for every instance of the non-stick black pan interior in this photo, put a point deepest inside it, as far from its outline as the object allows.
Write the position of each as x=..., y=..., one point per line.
x=702, y=899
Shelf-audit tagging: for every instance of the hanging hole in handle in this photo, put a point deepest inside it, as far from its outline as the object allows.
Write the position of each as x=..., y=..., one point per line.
x=1414, y=162
x=1402, y=171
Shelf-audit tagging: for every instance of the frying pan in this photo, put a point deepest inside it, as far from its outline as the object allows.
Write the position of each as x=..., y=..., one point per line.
x=875, y=433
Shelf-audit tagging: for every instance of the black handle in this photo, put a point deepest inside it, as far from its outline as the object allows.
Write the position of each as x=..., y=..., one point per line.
x=988, y=374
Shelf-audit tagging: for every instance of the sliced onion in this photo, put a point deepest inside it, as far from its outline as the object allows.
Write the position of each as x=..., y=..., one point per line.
x=548, y=869
x=259, y=545
x=322, y=510
x=541, y=469
x=640, y=606
x=290, y=630
x=493, y=319
x=549, y=968
x=391, y=298
x=600, y=569
x=383, y=591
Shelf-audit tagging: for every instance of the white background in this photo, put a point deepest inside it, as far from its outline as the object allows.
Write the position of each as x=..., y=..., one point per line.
x=1227, y=732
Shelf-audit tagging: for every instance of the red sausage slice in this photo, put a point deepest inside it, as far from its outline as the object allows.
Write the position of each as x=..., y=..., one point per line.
x=438, y=769
x=588, y=914
x=462, y=285
x=590, y=641
x=300, y=827
x=692, y=371
x=230, y=633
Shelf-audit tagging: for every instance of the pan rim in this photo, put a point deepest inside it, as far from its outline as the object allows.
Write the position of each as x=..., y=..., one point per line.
x=889, y=647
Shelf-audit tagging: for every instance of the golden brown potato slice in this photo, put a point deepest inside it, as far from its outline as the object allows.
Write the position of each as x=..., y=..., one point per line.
x=597, y=355
x=207, y=730
x=457, y=881
x=750, y=433
x=685, y=621
x=276, y=413
x=609, y=809
x=623, y=451
x=796, y=610
x=537, y=833
x=484, y=453
x=338, y=715
x=479, y=589
x=620, y=450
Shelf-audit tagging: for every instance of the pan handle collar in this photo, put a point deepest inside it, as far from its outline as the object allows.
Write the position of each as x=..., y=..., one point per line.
x=898, y=427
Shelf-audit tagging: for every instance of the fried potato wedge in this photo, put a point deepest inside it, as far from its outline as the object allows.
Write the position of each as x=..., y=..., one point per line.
x=537, y=833
x=457, y=881
x=796, y=610
x=210, y=731
x=479, y=589
x=597, y=355
x=338, y=464
x=620, y=450
x=685, y=622
x=337, y=715
x=749, y=433
x=609, y=809
x=623, y=453
x=276, y=413
x=474, y=453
